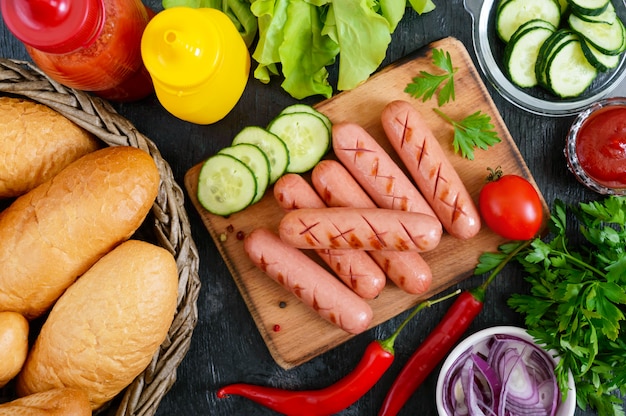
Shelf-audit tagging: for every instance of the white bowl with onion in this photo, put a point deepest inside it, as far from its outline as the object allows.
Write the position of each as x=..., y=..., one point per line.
x=501, y=368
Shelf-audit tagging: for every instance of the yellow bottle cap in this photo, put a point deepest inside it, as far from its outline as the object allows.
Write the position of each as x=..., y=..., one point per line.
x=181, y=47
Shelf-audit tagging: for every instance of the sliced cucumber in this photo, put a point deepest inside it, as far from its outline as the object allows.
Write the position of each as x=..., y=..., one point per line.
x=531, y=24
x=568, y=72
x=256, y=160
x=225, y=185
x=623, y=48
x=546, y=51
x=306, y=137
x=273, y=147
x=607, y=38
x=588, y=7
x=304, y=108
x=514, y=13
x=607, y=16
x=521, y=55
x=601, y=61
x=501, y=3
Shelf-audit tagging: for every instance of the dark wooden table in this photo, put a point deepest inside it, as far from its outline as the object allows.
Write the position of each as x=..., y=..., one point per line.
x=226, y=346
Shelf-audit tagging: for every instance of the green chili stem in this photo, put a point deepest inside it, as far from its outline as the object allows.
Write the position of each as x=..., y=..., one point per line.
x=500, y=266
x=387, y=343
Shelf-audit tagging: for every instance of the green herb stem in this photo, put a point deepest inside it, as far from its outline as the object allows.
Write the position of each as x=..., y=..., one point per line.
x=445, y=116
x=582, y=264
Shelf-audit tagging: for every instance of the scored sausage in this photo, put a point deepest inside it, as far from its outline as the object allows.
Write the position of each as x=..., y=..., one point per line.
x=292, y=191
x=307, y=280
x=375, y=170
x=407, y=269
x=360, y=228
x=354, y=267
x=431, y=170
x=337, y=187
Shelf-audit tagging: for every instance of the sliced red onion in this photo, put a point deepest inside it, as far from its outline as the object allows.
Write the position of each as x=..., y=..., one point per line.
x=503, y=376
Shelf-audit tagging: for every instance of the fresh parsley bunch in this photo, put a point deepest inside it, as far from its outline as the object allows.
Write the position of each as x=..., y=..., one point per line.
x=577, y=298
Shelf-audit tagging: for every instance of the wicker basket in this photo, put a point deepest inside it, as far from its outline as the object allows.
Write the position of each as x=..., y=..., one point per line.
x=167, y=224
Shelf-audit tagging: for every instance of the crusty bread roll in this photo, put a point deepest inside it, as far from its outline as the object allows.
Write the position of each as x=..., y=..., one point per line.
x=56, y=402
x=104, y=330
x=36, y=142
x=54, y=233
x=13, y=345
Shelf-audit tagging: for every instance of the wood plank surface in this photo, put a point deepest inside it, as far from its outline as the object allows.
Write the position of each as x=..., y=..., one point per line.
x=301, y=334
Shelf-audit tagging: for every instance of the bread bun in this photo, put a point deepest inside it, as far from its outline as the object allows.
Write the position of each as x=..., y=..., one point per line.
x=107, y=326
x=56, y=402
x=57, y=231
x=13, y=345
x=36, y=142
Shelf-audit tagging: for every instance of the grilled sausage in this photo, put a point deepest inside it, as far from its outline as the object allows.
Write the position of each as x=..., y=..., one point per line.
x=431, y=170
x=408, y=270
x=354, y=267
x=337, y=187
x=360, y=228
x=375, y=170
x=308, y=281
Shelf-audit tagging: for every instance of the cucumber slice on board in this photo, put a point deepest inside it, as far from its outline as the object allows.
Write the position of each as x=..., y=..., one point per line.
x=256, y=160
x=306, y=136
x=514, y=13
x=273, y=147
x=304, y=108
x=225, y=185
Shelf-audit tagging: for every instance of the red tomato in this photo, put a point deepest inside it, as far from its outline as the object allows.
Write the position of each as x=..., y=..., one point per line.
x=511, y=207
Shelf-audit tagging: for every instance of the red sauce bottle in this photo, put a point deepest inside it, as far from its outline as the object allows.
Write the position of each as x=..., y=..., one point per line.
x=90, y=45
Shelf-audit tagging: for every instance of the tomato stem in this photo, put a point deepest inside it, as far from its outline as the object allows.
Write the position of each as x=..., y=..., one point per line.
x=494, y=174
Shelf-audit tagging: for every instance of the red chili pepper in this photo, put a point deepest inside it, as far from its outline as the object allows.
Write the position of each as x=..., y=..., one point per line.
x=434, y=348
x=377, y=358
x=438, y=343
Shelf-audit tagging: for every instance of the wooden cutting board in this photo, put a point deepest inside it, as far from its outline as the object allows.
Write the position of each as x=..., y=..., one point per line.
x=295, y=334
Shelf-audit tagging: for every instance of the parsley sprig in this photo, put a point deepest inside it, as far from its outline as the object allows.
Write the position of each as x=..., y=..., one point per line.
x=426, y=84
x=577, y=301
x=474, y=131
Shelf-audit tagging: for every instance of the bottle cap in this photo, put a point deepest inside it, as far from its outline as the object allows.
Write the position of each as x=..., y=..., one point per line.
x=54, y=26
x=181, y=47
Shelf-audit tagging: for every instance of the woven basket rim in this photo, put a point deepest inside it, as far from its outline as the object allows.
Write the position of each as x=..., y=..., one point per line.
x=170, y=223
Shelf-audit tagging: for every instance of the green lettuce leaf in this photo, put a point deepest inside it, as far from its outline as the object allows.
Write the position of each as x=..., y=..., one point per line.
x=237, y=10
x=363, y=37
x=392, y=10
x=272, y=16
x=298, y=39
x=422, y=6
x=305, y=52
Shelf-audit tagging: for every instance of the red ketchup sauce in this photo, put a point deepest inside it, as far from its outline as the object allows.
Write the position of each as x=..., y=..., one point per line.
x=601, y=146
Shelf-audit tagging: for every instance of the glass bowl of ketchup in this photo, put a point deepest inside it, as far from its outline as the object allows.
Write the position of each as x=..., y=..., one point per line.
x=596, y=146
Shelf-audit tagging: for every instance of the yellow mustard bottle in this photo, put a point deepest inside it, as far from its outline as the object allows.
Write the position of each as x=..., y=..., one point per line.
x=198, y=62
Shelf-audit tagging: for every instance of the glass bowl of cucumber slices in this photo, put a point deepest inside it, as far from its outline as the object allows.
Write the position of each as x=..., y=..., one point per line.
x=551, y=57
